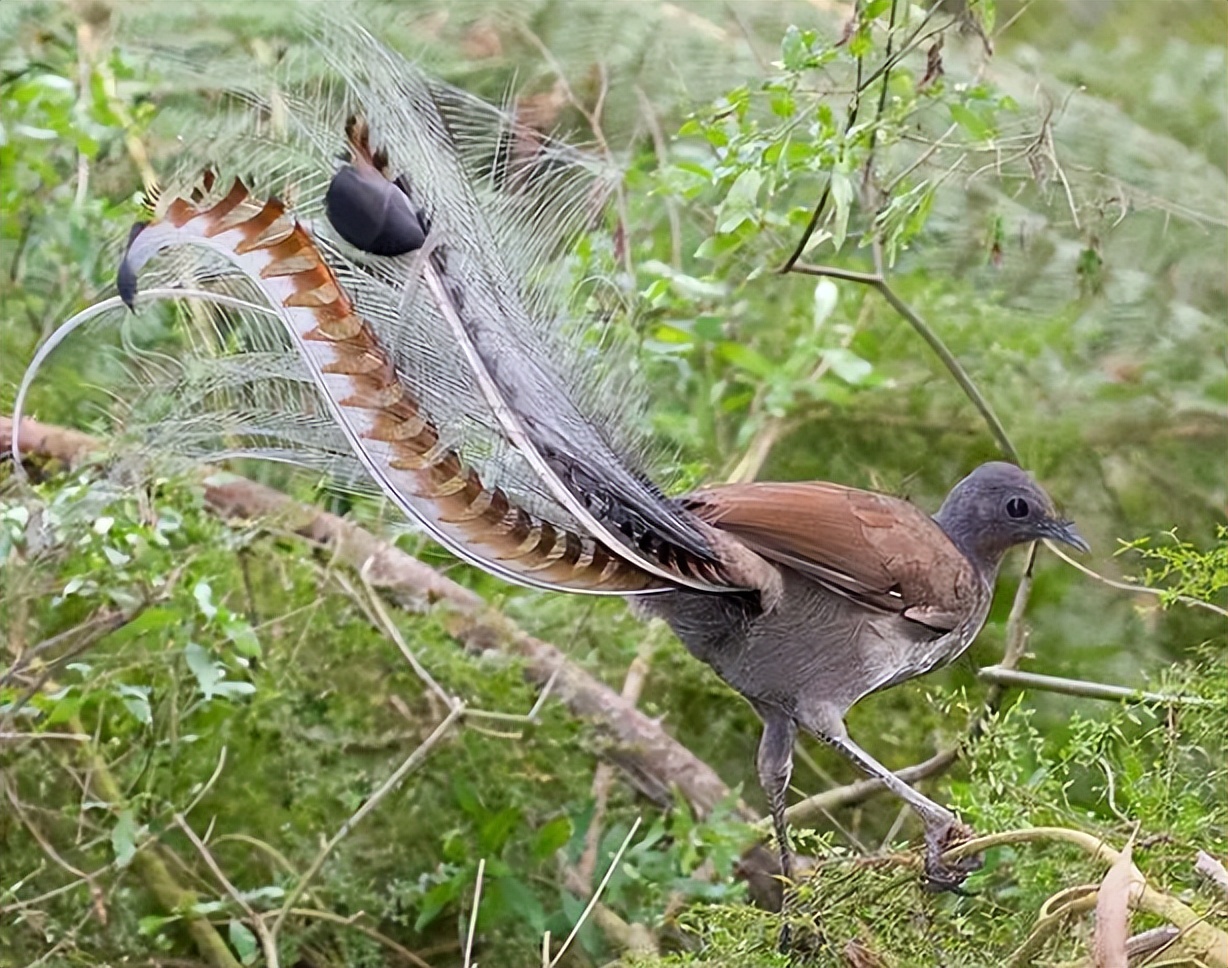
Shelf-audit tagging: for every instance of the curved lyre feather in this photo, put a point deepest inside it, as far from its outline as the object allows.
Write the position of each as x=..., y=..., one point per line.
x=398, y=446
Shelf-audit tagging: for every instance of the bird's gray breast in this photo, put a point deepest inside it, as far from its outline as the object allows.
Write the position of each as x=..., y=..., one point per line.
x=815, y=647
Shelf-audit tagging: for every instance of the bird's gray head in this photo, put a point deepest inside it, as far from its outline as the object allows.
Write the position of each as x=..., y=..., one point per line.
x=999, y=506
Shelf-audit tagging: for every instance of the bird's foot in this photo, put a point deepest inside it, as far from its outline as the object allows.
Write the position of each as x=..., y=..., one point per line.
x=943, y=875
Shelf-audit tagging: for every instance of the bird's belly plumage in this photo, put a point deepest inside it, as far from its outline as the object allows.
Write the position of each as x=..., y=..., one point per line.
x=816, y=647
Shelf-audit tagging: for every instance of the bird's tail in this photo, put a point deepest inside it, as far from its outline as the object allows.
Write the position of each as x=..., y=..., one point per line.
x=378, y=259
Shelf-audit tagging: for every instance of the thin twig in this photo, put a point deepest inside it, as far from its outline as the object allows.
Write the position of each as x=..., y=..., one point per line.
x=473, y=915
x=592, y=901
x=352, y=922
x=954, y=367
x=1213, y=870
x=203, y=792
x=633, y=685
x=97, y=626
x=935, y=343
x=268, y=943
x=1081, y=687
x=1130, y=586
x=412, y=762
x=833, y=272
x=74, y=737
x=1047, y=925
x=42, y=841
x=384, y=621
x=1207, y=942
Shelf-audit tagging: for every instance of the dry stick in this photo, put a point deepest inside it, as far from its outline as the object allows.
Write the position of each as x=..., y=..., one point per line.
x=1047, y=925
x=43, y=843
x=213, y=778
x=1130, y=586
x=75, y=737
x=1212, y=869
x=380, y=618
x=625, y=936
x=592, y=901
x=412, y=762
x=352, y=922
x=1205, y=941
x=99, y=625
x=1001, y=676
x=954, y=367
x=267, y=942
x=1162, y=945
x=633, y=685
x=473, y=915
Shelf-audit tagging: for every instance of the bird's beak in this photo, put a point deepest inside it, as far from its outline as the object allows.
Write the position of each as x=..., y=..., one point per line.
x=1066, y=533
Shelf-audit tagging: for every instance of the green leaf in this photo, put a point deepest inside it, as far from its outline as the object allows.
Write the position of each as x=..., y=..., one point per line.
x=847, y=365
x=794, y=49
x=136, y=701
x=495, y=830
x=842, y=198
x=434, y=901
x=154, y=619
x=204, y=599
x=123, y=838
x=970, y=121
x=745, y=358
x=243, y=941
x=741, y=201
x=518, y=900
x=710, y=328
x=243, y=638
x=204, y=667
x=153, y=923
x=826, y=295
x=550, y=837
x=467, y=797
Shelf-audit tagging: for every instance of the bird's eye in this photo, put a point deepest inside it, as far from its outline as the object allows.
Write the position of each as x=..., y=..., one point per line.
x=1017, y=507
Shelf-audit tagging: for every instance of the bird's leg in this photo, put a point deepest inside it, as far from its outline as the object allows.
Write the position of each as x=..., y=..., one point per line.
x=943, y=829
x=775, y=764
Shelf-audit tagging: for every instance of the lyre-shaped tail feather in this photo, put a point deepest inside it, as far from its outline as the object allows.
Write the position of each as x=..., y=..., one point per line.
x=399, y=447
x=373, y=210
x=446, y=369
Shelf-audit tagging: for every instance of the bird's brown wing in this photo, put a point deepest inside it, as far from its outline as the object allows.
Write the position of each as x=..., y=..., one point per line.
x=876, y=549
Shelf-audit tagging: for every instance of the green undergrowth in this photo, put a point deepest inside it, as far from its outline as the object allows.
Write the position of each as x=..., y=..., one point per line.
x=248, y=685
x=1158, y=774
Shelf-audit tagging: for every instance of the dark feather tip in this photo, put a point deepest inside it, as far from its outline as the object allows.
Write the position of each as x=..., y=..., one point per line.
x=371, y=213
x=125, y=279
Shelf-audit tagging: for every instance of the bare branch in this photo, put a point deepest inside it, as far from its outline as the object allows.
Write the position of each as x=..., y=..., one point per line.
x=1002, y=676
x=412, y=762
x=268, y=943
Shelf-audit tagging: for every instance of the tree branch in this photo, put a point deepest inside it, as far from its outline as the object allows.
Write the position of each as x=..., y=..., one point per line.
x=641, y=746
x=1002, y=676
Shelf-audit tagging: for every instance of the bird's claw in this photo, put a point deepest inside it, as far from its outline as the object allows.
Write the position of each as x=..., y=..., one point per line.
x=942, y=875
